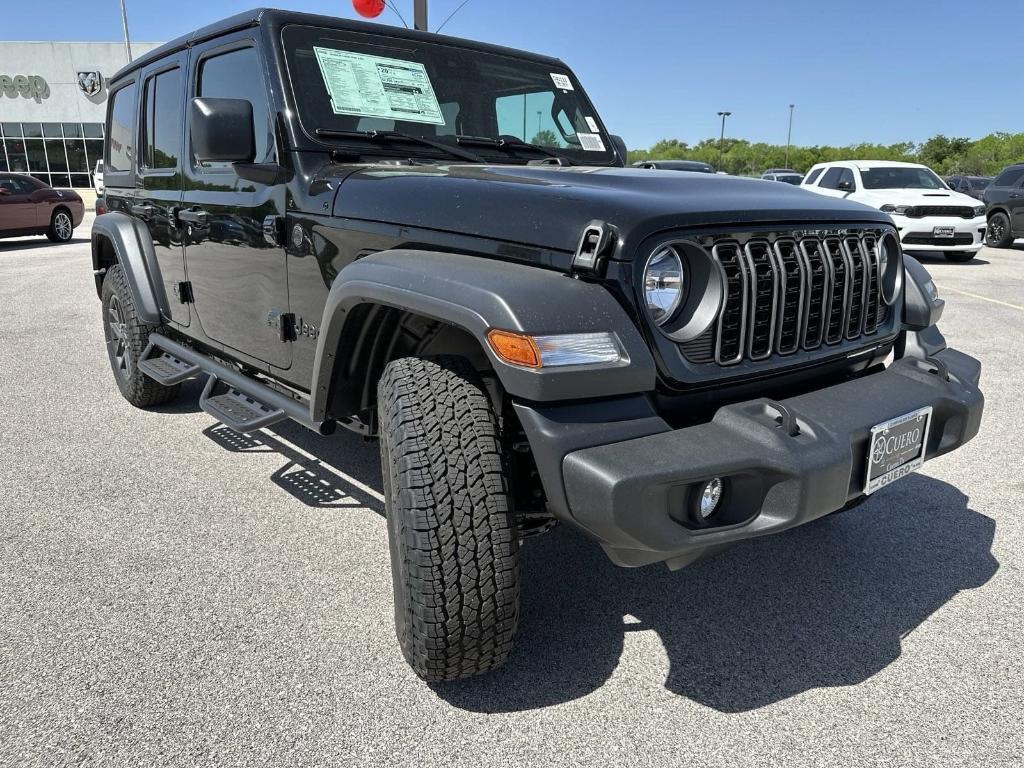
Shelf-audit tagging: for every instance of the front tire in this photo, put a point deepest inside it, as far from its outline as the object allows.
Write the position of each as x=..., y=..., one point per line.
x=453, y=540
x=127, y=336
x=998, y=233
x=62, y=227
x=960, y=257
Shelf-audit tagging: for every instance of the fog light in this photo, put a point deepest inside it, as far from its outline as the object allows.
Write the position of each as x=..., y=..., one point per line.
x=710, y=496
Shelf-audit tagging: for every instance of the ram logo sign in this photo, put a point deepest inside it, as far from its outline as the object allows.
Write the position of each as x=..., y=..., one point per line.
x=90, y=83
x=24, y=86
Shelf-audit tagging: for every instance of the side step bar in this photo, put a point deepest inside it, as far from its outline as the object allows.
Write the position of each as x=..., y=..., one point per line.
x=231, y=397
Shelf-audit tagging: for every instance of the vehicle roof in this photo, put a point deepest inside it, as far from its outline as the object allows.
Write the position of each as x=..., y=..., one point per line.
x=276, y=17
x=868, y=164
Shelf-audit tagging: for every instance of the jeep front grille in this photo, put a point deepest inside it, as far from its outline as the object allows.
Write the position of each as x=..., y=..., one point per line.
x=790, y=293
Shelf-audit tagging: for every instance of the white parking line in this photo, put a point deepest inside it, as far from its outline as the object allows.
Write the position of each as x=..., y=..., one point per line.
x=984, y=298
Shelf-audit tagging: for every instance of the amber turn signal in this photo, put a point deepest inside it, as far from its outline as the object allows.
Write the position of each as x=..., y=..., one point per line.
x=514, y=348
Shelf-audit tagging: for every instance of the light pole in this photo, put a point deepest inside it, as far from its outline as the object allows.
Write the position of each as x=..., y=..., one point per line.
x=721, y=138
x=124, y=23
x=789, y=133
x=419, y=12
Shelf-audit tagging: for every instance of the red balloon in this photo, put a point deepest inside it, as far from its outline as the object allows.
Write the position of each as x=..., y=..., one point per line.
x=368, y=9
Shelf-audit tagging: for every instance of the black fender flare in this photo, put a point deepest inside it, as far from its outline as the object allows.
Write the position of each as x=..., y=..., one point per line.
x=477, y=294
x=133, y=247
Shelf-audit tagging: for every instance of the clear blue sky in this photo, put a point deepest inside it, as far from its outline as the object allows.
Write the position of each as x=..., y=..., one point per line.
x=857, y=71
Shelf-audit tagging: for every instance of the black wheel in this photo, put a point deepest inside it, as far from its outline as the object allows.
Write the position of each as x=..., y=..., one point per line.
x=127, y=336
x=454, y=547
x=61, y=226
x=998, y=233
x=960, y=257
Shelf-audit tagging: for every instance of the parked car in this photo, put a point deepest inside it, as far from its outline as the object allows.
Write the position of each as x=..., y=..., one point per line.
x=928, y=215
x=787, y=177
x=1004, y=200
x=972, y=186
x=669, y=363
x=675, y=165
x=774, y=171
x=29, y=206
x=97, y=177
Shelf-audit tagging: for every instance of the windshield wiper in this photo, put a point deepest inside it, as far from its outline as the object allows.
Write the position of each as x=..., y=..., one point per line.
x=392, y=136
x=513, y=142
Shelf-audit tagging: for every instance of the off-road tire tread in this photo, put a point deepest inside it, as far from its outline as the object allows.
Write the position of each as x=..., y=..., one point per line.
x=139, y=389
x=454, y=544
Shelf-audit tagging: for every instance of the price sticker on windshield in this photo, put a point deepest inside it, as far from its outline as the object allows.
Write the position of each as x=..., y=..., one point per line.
x=376, y=86
x=591, y=142
x=561, y=81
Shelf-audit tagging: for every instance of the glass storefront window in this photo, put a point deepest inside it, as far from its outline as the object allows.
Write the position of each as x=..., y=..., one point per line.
x=36, y=156
x=55, y=155
x=16, y=155
x=76, y=155
x=60, y=162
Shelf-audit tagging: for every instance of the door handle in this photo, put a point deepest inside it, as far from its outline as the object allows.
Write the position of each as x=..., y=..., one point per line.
x=1014, y=195
x=142, y=210
x=197, y=217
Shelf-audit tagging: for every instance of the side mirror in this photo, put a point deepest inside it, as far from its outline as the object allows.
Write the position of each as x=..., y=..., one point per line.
x=620, y=147
x=222, y=130
x=845, y=186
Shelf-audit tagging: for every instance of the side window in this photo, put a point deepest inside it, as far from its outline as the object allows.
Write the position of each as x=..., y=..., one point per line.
x=1009, y=177
x=121, y=131
x=831, y=178
x=846, y=180
x=238, y=75
x=813, y=176
x=161, y=137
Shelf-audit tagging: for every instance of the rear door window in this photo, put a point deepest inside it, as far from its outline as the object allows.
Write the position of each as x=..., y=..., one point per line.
x=161, y=136
x=121, y=131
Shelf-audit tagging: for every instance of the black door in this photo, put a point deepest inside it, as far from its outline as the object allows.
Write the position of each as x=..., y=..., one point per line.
x=159, y=188
x=238, y=279
x=1016, y=206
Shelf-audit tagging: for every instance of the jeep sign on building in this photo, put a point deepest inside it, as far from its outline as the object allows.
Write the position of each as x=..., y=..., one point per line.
x=53, y=101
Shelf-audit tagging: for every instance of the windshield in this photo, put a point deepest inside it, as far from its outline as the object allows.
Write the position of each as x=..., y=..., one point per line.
x=789, y=178
x=979, y=183
x=349, y=81
x=900, y=178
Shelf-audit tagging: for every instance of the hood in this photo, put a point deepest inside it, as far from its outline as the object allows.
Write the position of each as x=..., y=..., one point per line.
x=548, y=206
x=879, y=197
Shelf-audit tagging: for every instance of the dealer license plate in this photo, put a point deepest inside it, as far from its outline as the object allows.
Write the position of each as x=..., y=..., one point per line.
x=897, y=448
x=943, y=232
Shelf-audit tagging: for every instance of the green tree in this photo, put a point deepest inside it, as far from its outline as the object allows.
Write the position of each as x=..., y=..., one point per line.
x=545, y=138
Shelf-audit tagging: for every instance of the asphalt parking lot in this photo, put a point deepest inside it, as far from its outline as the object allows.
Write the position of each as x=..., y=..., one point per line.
x=174, y=594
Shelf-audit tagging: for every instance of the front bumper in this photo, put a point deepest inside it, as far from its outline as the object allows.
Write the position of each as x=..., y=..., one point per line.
x=918, y=234
x=634, y=495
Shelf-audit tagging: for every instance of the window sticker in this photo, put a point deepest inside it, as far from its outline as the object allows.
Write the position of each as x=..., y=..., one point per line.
x=561, y=81
x=592, y=123
x=374, y=86
x=591, y=142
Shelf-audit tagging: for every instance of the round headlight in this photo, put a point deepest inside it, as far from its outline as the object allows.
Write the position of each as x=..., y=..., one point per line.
x=663, y=283
x=889, y=271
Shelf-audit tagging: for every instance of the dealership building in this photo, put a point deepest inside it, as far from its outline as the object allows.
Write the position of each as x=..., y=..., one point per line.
x=53, y=102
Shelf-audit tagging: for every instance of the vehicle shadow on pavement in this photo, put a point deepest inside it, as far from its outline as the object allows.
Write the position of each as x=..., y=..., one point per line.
x=823, y=605
x=938, y=258
x=40, y=242
x=312, y=471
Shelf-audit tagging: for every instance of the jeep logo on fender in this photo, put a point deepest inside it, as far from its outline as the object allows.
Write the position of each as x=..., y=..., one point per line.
x=25, y=86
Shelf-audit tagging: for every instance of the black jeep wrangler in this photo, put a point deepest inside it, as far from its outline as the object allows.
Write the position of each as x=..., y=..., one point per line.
x=434, y=242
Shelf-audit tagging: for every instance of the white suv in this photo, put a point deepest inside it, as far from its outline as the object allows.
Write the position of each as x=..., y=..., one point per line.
x=929, y=215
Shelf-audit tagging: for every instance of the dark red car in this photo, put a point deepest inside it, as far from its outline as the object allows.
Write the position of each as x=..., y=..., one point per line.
x=30, y=207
